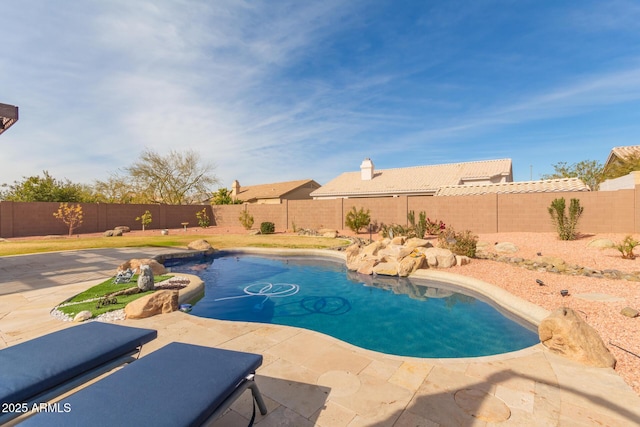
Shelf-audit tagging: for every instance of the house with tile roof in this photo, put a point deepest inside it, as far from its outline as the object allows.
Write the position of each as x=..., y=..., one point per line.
x=413, y=181
x=543, y=186
x=618, y=154
x=8, y=116
x=274, y=193
x=616, y=157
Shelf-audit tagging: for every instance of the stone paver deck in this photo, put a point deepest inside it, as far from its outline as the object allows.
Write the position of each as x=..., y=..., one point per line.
x=311, y=379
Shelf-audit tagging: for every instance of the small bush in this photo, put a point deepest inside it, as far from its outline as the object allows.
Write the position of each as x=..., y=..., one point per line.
x=565, y=225
x=203, y=218
x=72, y=215
x=357, y=220
x=395, y=230
x=626, y=247
x=435, y=227
x=246, y=220
x=145, y=219
x=462, y=243
x=267, y=228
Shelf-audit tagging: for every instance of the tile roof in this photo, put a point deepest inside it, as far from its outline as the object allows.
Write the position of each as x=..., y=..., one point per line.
x=544, y=186
x=271, y=191
x=413, y=180
x=623, y=152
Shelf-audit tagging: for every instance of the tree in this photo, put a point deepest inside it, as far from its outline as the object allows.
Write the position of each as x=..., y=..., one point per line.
x=145, y=219
x=622, y=167
x=70, y=215
x=116, y=189
x=223, y=197
x=357, y=219
x=46, y=189
x=589, y=171
x=175, y=179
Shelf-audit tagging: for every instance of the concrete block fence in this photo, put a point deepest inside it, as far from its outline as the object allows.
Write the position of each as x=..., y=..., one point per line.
x=604, y=212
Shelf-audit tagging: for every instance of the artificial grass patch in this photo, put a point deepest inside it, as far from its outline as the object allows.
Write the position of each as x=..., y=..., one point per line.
x=87, y=300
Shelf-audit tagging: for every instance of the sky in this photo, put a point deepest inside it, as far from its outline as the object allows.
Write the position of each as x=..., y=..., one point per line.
x=272, y=91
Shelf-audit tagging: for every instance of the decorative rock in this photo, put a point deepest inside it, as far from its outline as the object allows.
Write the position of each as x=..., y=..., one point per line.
x=254, y=232
x=145, y=279
x=123, y=228
x=462, y=260
x=506, y=247
x=630, y=312
x=149, y=305
x=389, y=268
x=201, y=245
x=601, y=243
x=325, y=232
x=439, y=257
x=353, y=256
x=108, y=233
x=565, y=333
x=398, y=240
x=134, y=264
x=117, y=232
x=3, y=240
x=164, y=232
x=82, y=316
x=373, y=248
x=414, y=242
x=410, y=264
x=366, y=266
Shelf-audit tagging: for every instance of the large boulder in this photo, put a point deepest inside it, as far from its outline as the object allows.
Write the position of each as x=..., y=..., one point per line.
x=565, y=333
x=145, y=279
x=201, y=245
x=388, y=268
x=134, y=264
x=159, y=302
x=438, y=257
x=411, y=263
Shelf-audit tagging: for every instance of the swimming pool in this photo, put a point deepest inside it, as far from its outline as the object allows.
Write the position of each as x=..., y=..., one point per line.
x=392, y=315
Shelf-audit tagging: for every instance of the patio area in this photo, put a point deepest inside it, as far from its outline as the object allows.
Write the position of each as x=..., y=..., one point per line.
x=311, y=379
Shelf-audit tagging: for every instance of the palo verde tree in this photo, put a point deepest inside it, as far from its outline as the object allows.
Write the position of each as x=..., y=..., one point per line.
x=175, y=179
x=589, y=171
x=71, y=215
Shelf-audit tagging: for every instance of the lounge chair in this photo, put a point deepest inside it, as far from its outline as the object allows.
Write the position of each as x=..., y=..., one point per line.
x=37, y=370
x=177, y=385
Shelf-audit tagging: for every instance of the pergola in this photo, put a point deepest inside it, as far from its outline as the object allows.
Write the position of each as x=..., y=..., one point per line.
x=8, y=116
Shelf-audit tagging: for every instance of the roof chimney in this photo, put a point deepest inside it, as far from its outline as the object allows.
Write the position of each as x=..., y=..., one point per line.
x=366, y=170
x=235, y=189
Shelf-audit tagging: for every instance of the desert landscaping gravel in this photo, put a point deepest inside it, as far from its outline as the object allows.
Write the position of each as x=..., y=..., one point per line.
x=603, y=315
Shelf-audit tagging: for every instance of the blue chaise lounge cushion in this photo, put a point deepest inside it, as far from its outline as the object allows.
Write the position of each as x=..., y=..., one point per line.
x=41, y=364
x=177, y=385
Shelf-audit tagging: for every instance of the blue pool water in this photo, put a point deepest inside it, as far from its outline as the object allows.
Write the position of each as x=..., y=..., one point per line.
x=390, y=315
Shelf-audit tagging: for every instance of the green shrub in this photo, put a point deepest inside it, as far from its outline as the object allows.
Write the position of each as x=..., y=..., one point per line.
x=356, y=220
x=395, y=230
x=246, y=220
x=145, y=219
x=462, y=243
x=565, y=225
x=626, y=247
x=203, y=218
x=267, y=228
